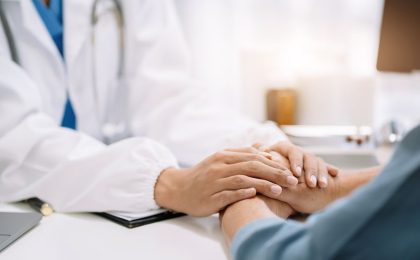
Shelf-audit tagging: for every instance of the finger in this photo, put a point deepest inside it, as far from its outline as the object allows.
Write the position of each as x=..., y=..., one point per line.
x=332, y=170
x=282, y=148
x=260, y=170
x=264, y=148
x=251, y=150
x=227, y=197
x=226, y=155
x=280, y=159
x=264, y=187
x=237, y=157
x=244, y=150
x=322, y=174
x=310, y=167
x=295, y=157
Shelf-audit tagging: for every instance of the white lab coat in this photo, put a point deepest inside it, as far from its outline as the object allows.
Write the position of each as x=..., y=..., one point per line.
x=156, y=101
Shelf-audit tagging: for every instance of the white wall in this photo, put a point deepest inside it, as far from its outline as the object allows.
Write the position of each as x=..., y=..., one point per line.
x=242, y=47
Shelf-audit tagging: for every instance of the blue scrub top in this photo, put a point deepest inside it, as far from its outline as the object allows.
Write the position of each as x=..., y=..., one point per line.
x=52, y=17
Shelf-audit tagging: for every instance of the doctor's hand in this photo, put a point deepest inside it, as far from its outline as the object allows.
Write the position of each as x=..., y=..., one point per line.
x=313, y=169
x=220, y=180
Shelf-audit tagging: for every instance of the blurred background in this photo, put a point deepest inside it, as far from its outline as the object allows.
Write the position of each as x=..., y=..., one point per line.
x=316, y=58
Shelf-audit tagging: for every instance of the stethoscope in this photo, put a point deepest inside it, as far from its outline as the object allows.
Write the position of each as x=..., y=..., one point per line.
x=110, y=131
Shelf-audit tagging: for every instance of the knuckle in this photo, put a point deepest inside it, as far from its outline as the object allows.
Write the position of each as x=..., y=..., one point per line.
x=300, y=150
x=311, y=167
x=213, y=169
x=253, y=166
x=296, y=161
x=240, y=193
x=276, y=177
x=313, y=170
x=223, y=198
x=239, y=180
x=257, y=157
x=263, y=186
x=298, y=155
x=287, y=145
x=308, y=173
x=280, y=177
x=219, y=156
x=321, y=162
x=252, y=150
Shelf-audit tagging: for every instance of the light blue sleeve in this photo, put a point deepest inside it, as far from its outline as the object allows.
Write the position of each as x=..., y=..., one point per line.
x=272, y=238
x=326, y=234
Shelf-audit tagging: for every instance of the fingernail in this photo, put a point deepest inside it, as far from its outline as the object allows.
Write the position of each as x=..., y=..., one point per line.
x=276, y=190
x=292, y=180
x=323, y=182
x=313, y=180
x=298, y=170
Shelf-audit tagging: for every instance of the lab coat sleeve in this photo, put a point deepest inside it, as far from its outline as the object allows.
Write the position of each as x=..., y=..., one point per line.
x=167, y=104
x=362, y=226
x=69, y=169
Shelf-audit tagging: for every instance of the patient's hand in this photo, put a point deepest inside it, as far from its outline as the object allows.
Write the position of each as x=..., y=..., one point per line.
x=302, y=163
x=279, y=208
x=308, y=200
x=305, y=199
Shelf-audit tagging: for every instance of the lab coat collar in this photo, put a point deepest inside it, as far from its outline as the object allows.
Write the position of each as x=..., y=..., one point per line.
x=34, y=26
x=77, y=28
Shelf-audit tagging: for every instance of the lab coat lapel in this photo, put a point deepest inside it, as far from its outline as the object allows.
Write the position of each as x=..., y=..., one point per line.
x=77, y=28
x=35, y=27
x=78, y=58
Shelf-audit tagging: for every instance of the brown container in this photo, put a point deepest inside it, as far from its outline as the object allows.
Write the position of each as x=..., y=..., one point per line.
x=281, y=106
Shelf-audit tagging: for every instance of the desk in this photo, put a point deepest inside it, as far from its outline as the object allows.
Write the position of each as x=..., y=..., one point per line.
x=87, y=236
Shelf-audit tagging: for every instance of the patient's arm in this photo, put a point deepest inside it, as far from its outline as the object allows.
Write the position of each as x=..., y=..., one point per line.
x=266, y=235
x=244, y=212
x=308, y=200
x=382, y=210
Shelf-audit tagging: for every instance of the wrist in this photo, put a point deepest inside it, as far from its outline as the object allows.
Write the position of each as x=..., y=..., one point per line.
x=349, y=181
x=280, y=208
x=248, y=208
x=166, y=188
x=242, y=213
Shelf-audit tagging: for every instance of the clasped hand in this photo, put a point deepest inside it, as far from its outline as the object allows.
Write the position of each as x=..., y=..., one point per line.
x=238, y=174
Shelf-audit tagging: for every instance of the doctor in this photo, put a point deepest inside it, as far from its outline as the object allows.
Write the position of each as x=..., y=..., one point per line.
x=97, y=110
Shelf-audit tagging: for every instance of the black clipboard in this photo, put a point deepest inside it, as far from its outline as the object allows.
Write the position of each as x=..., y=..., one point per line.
x=141, y=221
